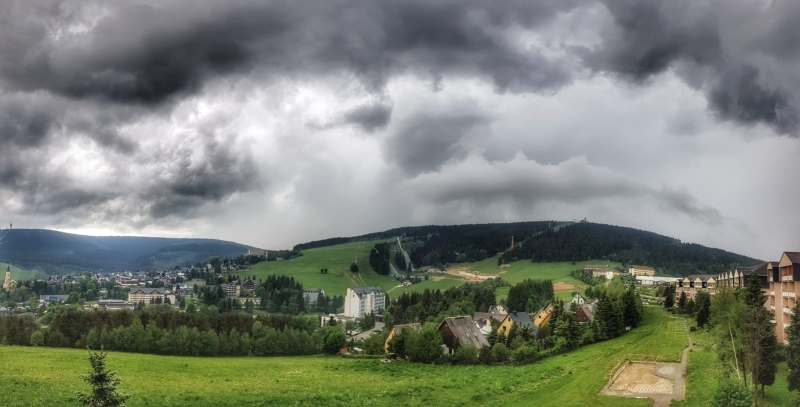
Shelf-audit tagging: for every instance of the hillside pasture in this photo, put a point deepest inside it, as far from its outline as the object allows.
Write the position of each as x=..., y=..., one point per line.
x=18, y=273
x=572, y=379
x=337, y=259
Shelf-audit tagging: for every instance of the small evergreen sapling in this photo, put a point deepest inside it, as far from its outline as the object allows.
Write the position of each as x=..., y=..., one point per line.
x=104, y=384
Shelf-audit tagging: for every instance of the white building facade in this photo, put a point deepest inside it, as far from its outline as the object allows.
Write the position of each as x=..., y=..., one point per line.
x=363, y=300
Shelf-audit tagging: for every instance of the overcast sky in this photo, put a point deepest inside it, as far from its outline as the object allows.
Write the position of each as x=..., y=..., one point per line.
x=271, y=123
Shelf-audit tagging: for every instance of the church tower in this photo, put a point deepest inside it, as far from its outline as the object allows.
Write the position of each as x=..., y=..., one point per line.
x=7, y=281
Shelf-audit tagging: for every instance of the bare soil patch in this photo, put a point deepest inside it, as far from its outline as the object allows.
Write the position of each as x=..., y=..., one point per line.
x=561, y=286
x=642, y=377
x=470, y=276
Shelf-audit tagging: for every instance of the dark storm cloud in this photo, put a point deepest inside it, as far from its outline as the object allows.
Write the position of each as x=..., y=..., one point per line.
x=730, y=49
x=369, y=117
x=424, y=142
x=145, y=52
x=88, y=69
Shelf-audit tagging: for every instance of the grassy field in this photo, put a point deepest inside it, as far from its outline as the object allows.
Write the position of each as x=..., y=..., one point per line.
x=337, y=259
x=705, y=370
x=573, y=379
x=18, y=273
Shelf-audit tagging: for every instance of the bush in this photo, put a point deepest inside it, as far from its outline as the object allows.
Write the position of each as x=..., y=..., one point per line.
x=500, y=353
x=466, y=355
x=333, y=339
x=692, y=328
x=485, y=355
x=525, y=354
x=424, y=346
x=730, y=393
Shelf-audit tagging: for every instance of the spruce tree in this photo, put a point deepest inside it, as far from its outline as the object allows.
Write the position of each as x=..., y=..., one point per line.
x=793, y=352
x=104, y=384
x=682, y=301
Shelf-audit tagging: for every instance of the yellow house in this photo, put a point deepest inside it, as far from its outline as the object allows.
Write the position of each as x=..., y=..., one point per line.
x=543, y=316
x=396, y=330
x=519, y=318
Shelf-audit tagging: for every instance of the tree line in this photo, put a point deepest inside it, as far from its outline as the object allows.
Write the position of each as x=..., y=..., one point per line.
x=590, y=241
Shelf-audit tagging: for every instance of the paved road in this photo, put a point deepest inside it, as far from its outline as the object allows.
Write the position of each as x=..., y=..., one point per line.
x=367, y=334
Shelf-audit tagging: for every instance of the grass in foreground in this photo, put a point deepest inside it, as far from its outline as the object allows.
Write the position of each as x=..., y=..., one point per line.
x=573, y=379
x=705, y=370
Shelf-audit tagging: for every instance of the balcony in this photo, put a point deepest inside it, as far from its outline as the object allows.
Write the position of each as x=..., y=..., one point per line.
x=772, y=293
x=785, y=294
x=786, y=278
x=787, y=310
x=772, y=307
x=791, y=294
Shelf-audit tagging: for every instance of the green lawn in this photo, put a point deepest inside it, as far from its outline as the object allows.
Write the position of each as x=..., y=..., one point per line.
x=18, y=273
x=573, y=379
x=704, y=372
x=337, y=259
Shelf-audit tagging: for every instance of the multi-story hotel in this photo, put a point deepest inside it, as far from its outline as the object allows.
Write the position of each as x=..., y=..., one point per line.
x=364, y=300
x=784, y=286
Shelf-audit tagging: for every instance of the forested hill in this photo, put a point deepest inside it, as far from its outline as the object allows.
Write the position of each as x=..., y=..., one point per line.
x=432, y=245
x=551, y=241
x=587, y=241
x=56, y=252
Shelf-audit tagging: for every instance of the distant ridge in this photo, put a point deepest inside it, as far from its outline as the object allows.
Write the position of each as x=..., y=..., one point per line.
x=56, y=252
x=553, y=241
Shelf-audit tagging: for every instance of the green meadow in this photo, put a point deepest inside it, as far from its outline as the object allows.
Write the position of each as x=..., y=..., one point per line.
x=705, y=370
x=18, y=273
x=50, y=377
x=337, y=259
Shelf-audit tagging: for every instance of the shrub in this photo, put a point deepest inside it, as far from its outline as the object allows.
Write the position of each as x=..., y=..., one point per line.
x=466, y=355
x=500, y=353
x=424, y=346
x=525, y=354
x=485, y=355
x=692, y=328
x=730, y=393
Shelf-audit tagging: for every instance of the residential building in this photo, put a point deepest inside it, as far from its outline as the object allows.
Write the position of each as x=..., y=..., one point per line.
x=460, y=331
x=542, y=316
x=695, y=283
x=738, y=276
x=311, y=295
x=784, y=287
x=641, y=271
x=577, y=298
x=364, y=300
x=520, y=319
x=231, y=289
x=396, y=330
x=149, y=295
x=601, y=271
x=649, y=281
x=256, y=252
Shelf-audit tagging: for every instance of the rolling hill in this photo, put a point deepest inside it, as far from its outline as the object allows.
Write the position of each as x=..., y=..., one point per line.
x=551, y=241
x=56, y=252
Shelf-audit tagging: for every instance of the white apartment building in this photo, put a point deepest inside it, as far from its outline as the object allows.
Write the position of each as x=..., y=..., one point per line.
x=363, y=300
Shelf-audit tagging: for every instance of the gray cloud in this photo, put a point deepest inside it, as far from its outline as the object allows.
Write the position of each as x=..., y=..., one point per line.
x=425, y=142
x=728, y=49
x=527, y=183
x=369, y=117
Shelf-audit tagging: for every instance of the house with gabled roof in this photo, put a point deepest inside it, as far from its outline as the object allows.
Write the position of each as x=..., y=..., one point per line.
x=460, y=331
x=520, y=319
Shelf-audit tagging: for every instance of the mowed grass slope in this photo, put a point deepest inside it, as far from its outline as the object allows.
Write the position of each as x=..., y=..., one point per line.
x=337, y=259
x=50, y=377
x=17, y=273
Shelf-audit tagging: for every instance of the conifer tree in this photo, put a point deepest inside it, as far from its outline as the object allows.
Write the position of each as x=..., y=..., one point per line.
x=793, y=352
x=104, y=384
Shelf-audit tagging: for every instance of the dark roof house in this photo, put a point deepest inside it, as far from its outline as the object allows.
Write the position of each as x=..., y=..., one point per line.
x=463, y=331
